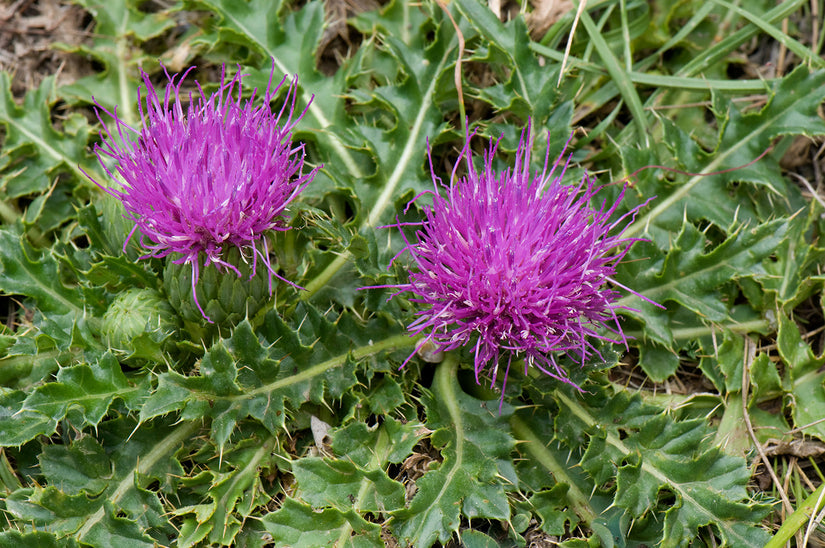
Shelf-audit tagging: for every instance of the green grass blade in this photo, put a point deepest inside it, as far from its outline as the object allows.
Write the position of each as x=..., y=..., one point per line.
x=619, y=76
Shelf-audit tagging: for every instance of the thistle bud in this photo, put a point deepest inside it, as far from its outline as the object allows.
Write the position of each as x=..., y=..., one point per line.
x=226, y=296
x=138, y=325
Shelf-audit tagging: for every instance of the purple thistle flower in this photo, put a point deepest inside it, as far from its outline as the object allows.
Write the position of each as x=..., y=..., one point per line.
x=203, y=178
x=515, y=263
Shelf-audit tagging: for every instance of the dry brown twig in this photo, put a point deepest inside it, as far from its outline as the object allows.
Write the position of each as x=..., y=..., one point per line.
x=750, y=356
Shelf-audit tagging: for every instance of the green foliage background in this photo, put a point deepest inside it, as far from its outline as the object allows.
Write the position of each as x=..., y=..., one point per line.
x=295, y=427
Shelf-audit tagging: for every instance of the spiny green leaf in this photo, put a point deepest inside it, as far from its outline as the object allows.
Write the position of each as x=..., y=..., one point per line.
x=86, y=391
x=233, y=496
x=58, y=340
x=38, y=150
x=728, y=358
x=358, y=443
x=337, y=483
x=477, y=539
x=804, y=380
x=794, y=350
x=51, y=508
x=240, y=377
x=50, y=210
x=107, y=233
x=136, y=456
x=790, y=111
x=300, y=526
x=398, y=142
x=31, y=359
x=552, y=507
x=36, y=539
x=808, y=404
x=118, y=25
x=475, y=444
x=253, y=23
x=17, y=425
x=386, y=396
x=33, y=273
x=658, y=362
x=113, y=530
x=765, y=380
x=213, y=394
x=653, y=458
x=691, y=276
x=257, y=25
x=790, y=277
x=81, y=466
x=121, y=272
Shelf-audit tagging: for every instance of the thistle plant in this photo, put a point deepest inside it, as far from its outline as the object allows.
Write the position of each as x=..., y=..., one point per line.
x=517, y=264
x=207, y=174
x=127, y=418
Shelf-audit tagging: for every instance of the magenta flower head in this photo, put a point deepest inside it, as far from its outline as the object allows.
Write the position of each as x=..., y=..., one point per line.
x=516, y=264
x=207, y=174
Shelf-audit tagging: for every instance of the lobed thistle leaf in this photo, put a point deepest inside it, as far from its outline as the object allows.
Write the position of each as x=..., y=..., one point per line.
x=203, y=179
x=634, y=469
x=34, y=273
x=126, y=460
x=689, y=276
x=241, y=377
x=301, y=526
x=34, y=151
x=475, y=475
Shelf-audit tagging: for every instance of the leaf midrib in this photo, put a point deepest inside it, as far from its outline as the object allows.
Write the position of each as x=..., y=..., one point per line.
x=44, y=145
x=672, y=285
x=445, y=383
x=87, y=397
x=391, y=343
x=383, y=199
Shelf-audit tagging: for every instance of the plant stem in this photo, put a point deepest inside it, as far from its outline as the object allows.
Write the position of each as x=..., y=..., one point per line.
x=325, y=276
